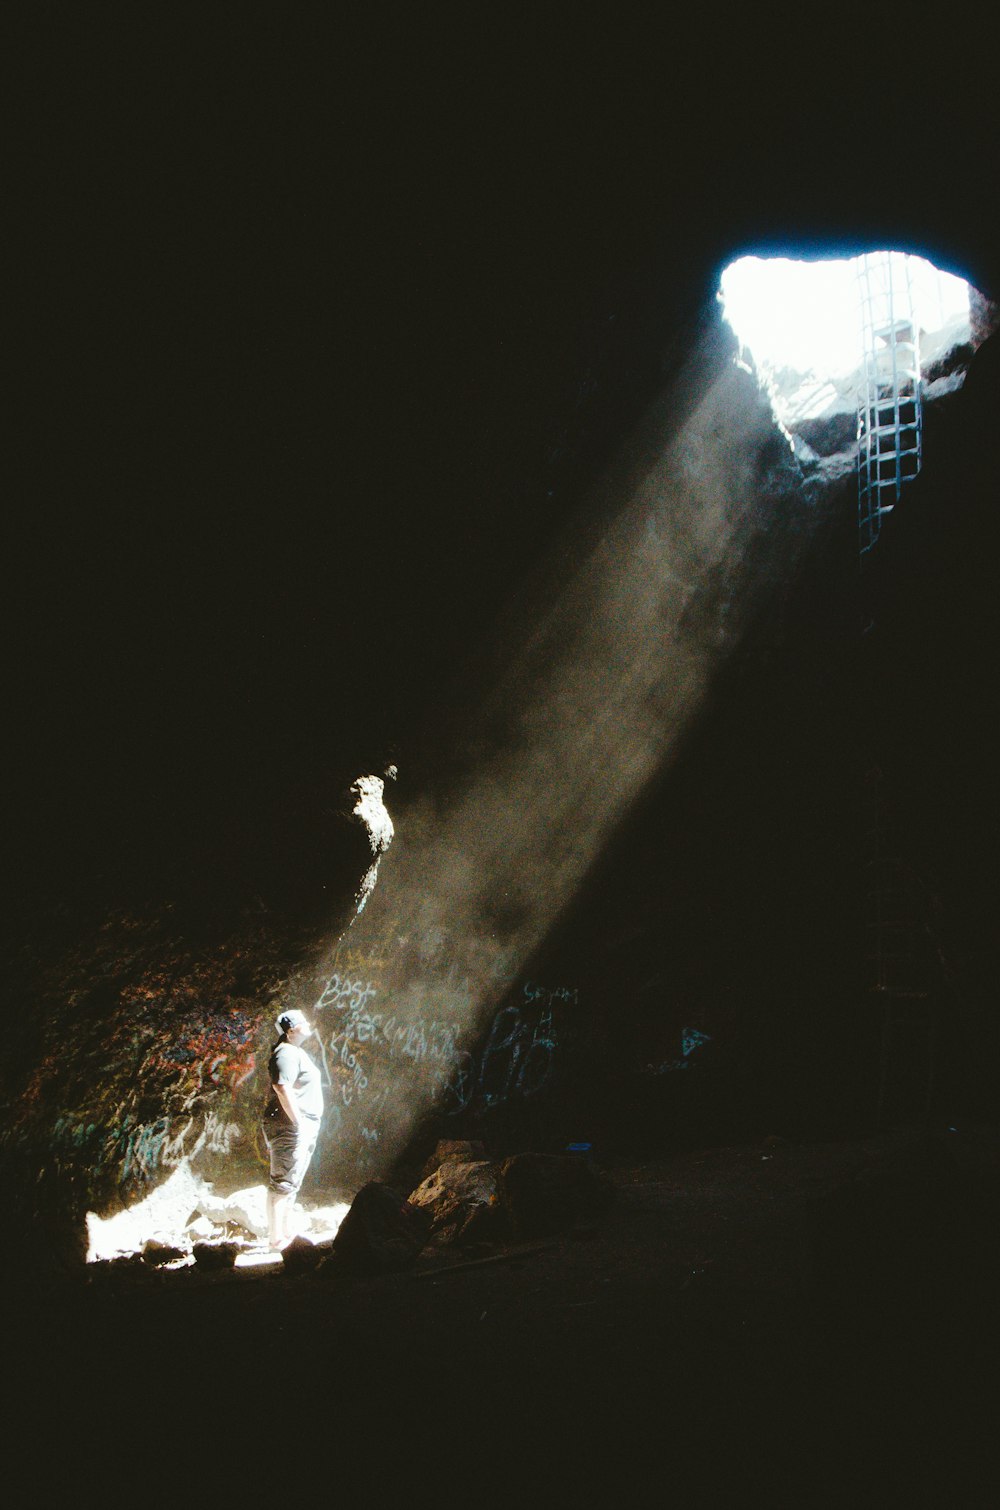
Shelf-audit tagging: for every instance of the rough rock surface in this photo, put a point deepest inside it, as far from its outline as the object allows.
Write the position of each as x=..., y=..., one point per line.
x=244, y=1208
x=156, y=1253
x=216, y=1255
x=382, y=1231
x=370, y=810
x=462, y=1198
x=547, y=1193
x=202, y=1229
x=459, y=1150
x=300, y=1255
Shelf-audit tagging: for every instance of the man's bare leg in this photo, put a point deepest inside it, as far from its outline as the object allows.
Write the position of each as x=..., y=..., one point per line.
x=278, y=1210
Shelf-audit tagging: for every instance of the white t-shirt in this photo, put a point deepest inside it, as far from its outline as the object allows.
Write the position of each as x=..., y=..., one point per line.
x=292, y=1069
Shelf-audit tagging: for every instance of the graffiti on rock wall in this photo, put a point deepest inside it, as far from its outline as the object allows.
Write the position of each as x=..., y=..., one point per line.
x=692, y=1039
x=176, y=1072
x=157, y=1078
x=164, y=1145
x=353, y=1032
x=168, y=1075
x=196, y=1055
x=374, y=1034
x=516, y=1060
x=197, y=1074
x=142, y=1149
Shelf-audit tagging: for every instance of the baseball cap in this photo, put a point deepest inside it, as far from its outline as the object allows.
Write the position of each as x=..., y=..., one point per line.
x=291, y=1017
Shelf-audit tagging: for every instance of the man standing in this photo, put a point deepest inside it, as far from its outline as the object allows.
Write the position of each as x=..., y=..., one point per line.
x=291, y=1121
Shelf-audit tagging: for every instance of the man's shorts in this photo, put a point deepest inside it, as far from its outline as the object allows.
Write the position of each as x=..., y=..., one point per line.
x=290, y=1152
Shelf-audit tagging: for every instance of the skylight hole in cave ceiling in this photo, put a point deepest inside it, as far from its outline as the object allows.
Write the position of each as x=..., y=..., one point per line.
x=801, y=324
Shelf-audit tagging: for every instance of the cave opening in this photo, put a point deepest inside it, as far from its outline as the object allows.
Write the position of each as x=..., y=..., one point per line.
x=806, y=325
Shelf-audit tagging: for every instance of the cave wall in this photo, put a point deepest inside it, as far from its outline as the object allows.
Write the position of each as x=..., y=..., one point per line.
x=708, y=981
x=318, y=363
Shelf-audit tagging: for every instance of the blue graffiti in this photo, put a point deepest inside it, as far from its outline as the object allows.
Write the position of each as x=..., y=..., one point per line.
x=692, y=1039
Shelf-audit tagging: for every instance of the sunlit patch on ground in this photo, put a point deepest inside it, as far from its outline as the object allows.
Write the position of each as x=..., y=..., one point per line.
x=185, y=1210
x=257, y=1258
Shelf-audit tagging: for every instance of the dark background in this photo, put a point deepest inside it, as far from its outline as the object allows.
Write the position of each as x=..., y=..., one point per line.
x=321, y=331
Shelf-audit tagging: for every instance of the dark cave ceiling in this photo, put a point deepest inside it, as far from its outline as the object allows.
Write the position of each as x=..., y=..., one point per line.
x=325, y=336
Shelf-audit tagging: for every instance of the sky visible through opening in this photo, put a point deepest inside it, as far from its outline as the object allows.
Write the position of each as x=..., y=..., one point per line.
x=805, y=318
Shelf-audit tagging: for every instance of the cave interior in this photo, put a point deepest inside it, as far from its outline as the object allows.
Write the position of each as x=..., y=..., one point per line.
x=330, y=347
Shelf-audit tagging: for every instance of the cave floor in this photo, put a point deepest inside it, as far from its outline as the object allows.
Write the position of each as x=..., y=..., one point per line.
x=812, y=1324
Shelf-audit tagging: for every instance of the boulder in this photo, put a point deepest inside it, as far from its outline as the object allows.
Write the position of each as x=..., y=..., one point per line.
x=381, y=1232
x=300, y=1255
x=543, y=1194
x=245, y=1208
x=201, y=1228
x=462, y=1198
x=157, y=1253
x=452, y=1150
x=216, y=1255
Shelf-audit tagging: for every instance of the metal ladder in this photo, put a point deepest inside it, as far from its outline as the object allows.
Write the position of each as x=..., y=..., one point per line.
x=889, y=406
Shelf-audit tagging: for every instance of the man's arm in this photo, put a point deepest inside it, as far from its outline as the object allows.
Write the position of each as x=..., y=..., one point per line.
x=288, y=1105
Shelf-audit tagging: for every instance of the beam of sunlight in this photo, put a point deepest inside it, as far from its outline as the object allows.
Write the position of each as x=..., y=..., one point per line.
x=594, y=695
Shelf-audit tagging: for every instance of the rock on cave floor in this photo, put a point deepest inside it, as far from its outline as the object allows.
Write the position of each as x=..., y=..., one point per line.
x=807, y=1323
